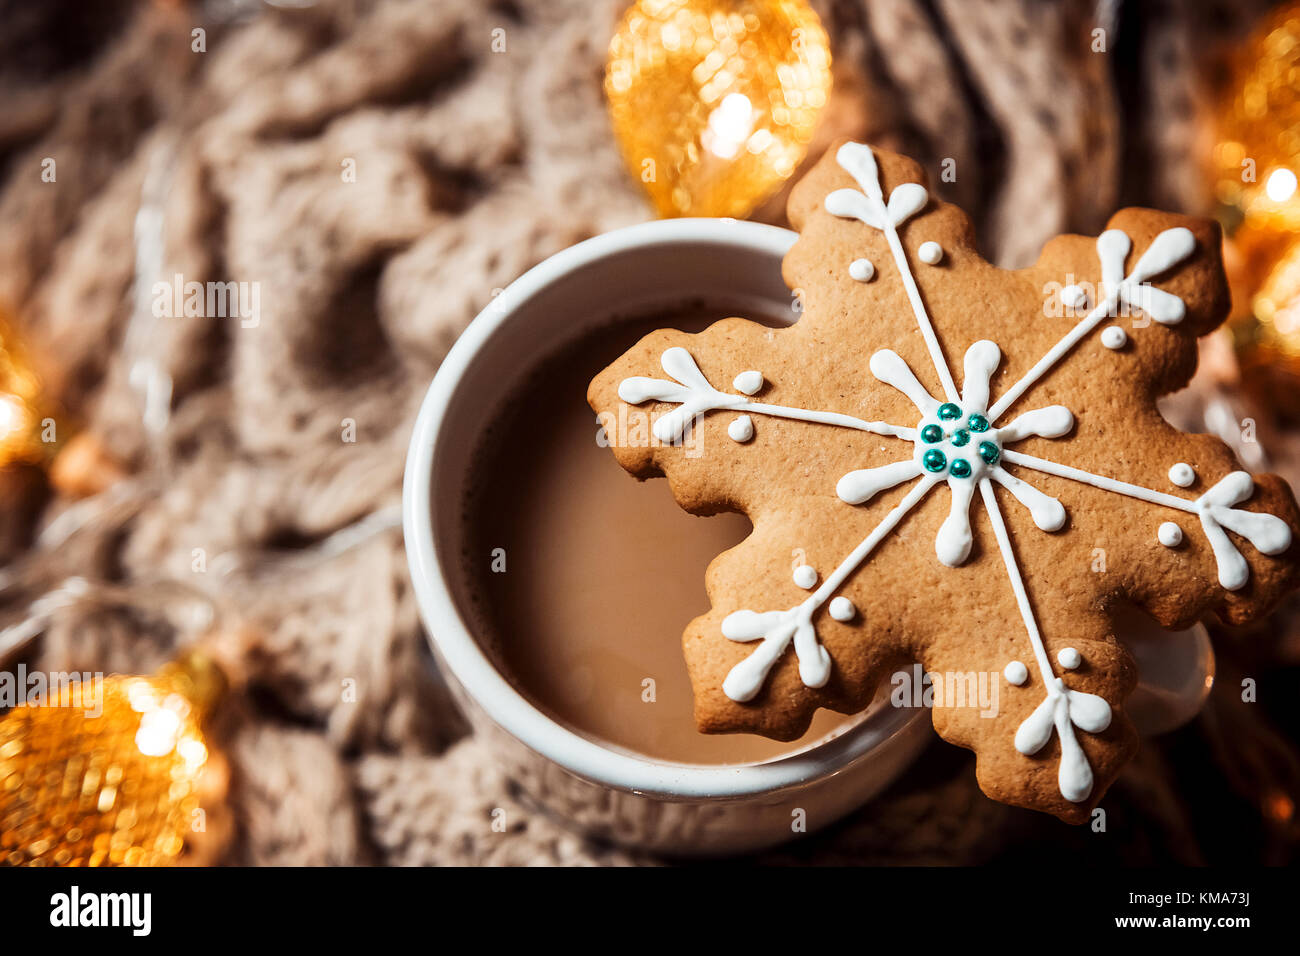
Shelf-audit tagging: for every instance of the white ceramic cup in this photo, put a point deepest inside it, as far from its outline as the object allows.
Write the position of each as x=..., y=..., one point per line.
x=604, y=791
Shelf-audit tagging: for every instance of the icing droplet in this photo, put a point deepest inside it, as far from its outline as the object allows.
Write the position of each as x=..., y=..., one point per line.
x=1069, y=658
x=1050, y=422
x=931, y=434
x=960, y=468
x=862, y=270
x=1169, y=534
x=949, y=412
x=842, y=609
x=741, y=429
x=748, y=383
x=1074, y=297
x=865, y=483
x=990, y=452
x=934, y=460
x=1182, y=474
x=805, y=576
x=930, y=253
x=1016, y=673
x=1113, y=337
x=1268, y=533
x=1048, y=513
x=977, y=422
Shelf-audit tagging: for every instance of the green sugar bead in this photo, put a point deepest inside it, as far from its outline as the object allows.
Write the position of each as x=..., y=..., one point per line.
x=960, y=437
x=976, y=422
x=949, y=412
x=931, y=434
x=990, y=452
x=934, y=460
x=960, y=468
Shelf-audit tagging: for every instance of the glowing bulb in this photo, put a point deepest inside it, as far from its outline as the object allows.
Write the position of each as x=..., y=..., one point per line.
x=11, y=414
x=192, y=752
x=729, y=126
x=157, y=734
x=117, y=789
x=142, y=696
x=1287, y=320
x=1281, y=184
x=714, y=101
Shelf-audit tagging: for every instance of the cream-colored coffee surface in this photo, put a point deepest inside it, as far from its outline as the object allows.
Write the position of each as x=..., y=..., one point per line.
x=602, y=572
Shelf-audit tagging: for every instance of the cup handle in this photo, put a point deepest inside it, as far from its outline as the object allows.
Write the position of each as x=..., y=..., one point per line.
x=1176, y=671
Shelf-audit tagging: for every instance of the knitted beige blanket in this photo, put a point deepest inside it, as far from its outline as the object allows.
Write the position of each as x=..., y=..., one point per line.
x=381, y=168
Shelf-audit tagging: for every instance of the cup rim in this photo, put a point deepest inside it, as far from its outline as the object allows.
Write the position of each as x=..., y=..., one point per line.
x=450, y=636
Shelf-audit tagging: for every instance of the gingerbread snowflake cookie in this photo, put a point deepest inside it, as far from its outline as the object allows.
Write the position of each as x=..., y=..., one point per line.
x=960, y=465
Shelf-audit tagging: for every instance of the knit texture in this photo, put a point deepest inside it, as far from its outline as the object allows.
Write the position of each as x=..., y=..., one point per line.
x=471, y=162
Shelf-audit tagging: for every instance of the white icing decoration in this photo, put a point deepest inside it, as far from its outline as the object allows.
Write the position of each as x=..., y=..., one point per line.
x=1114, y=337
x=805, y=576
x=858, y=487
x=1169, y=534
x=694, y=396
x=842, y=609
x=1062, y=710
x=1166, y=250
x=906, y=201
x=1050, y=422
x=1048, y=513
x=981, y=362
x=776, y=629
x=741, y=429
x=890, y=368
x=862, y=270
x=930, y=253
x=868, y=206
x=1069, y=658
x=1269, y=534
x=1182, y=474
x=1074, y=297
x=690, y=390
x=748, y=383
x=1098, y=481
x=953, y=542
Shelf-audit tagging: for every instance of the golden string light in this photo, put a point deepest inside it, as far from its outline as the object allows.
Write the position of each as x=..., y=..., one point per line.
x=20, y=418
x=35, y=431
x=1258, y=154
x=714, y=101
x=1277, y=305
x=1257, y=181
x=107, y=773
